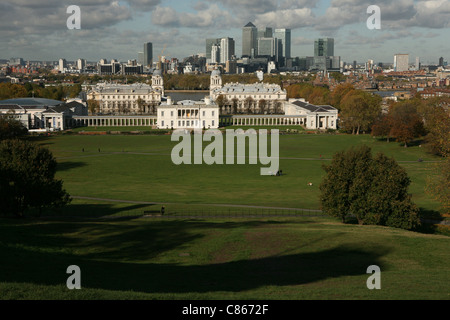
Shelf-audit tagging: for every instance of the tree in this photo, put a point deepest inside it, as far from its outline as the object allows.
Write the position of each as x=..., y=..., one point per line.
x=27, y=173
x=221, y=101
x=359, y=110
x=406, y=122
x=94, y=106
x=373, y=189
x=141, y=105
x=382, y=127
x=262, y=106
x=10, y=128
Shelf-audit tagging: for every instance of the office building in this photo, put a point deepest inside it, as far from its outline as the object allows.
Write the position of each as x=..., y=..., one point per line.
x=215, y=54
x=81, y=64
x=62, y=65
x=249, y=40
x=401, y=62
x=226, y=49
x=324, y=47
x=441, y=62
x=285, y=36
x=266, y=33
x=148, y=54
x=209, y=44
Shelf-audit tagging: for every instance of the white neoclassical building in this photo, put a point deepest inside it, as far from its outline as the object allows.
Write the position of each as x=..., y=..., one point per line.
x=188, y=114
x=138, y=98
x=261, y=98
x=315, y=117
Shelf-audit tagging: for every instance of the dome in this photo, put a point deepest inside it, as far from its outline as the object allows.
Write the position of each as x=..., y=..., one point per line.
x=157, y=72
x=216, y=72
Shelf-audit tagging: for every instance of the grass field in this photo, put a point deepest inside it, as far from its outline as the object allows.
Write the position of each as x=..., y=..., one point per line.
x=139, y=168
x=288, y=259
x=126, y=251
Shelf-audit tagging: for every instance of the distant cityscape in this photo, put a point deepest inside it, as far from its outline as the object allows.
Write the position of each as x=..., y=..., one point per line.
x=267, y=50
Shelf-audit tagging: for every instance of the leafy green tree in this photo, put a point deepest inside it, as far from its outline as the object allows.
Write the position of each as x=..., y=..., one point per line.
x=10, y=128
x=373, y=189
x=27, y=173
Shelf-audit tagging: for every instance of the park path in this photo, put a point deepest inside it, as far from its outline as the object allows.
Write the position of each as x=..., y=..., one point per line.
x=312, y=211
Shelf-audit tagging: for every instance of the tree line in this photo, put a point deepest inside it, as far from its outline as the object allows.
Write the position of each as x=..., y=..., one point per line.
x=57, y=92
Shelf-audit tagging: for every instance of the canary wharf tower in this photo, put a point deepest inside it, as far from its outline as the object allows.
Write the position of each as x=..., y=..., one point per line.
x=249, y=40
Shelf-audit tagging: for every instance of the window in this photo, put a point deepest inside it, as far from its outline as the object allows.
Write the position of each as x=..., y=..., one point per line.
x=171, y=124
x=213, y=123
x=162, y=123
x=204, y=113
x=213, y=113
x=162, y=113
x=204, y=124
x=171, y=113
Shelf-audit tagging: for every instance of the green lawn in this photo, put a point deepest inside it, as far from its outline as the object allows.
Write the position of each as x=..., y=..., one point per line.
x=263, y=259
x=207, y=246
x=139, y=168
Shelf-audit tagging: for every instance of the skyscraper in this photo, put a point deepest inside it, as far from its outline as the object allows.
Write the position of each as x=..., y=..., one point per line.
x=441, y=62
x=209, y=44
x=265, y=33
x=401, y=62
x=226, y=49
x=324, y=47
x=249, y=40
x=285, y=36
x=148, y=54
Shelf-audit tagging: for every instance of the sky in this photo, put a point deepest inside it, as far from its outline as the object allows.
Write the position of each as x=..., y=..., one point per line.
x=37, y=29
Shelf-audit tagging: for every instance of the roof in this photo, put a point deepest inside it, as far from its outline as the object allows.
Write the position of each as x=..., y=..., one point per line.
x=314, y=108
x=250, y=88
x=249, y=25
x=31, y=102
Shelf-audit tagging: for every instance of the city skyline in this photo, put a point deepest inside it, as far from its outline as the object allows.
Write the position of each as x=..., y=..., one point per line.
x=118, y=29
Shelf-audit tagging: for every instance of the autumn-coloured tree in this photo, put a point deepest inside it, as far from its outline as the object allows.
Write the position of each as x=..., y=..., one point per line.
x=406, y=122
x=339, y=92
x=359, y=110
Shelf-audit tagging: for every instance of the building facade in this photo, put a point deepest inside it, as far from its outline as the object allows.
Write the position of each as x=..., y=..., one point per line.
x=260, y=97
x=128, y=99
x=315, y=117
x=324, y=47
x=188, y=114
x=249, y=40
x=401, y=62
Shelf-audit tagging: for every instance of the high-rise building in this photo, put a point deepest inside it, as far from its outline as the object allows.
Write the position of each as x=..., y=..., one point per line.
x=209, y=44
x=267, y=47
x=401, y=62
x=81, y=64
x=249, y=40
x=62, y=64
x=148, y=54
x=417, y=63
x=226, y=49
x=215, y=54
x=324, y=47
x=285, y=36
x=266, y=33
x=441, y=62
x=141, y=58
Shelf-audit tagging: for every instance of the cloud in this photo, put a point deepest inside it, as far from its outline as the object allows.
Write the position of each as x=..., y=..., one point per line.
x=206, y=17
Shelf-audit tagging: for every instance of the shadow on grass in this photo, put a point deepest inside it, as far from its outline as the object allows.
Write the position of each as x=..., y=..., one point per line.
x=118, y=256
x=68, y=165
x=235, y=276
